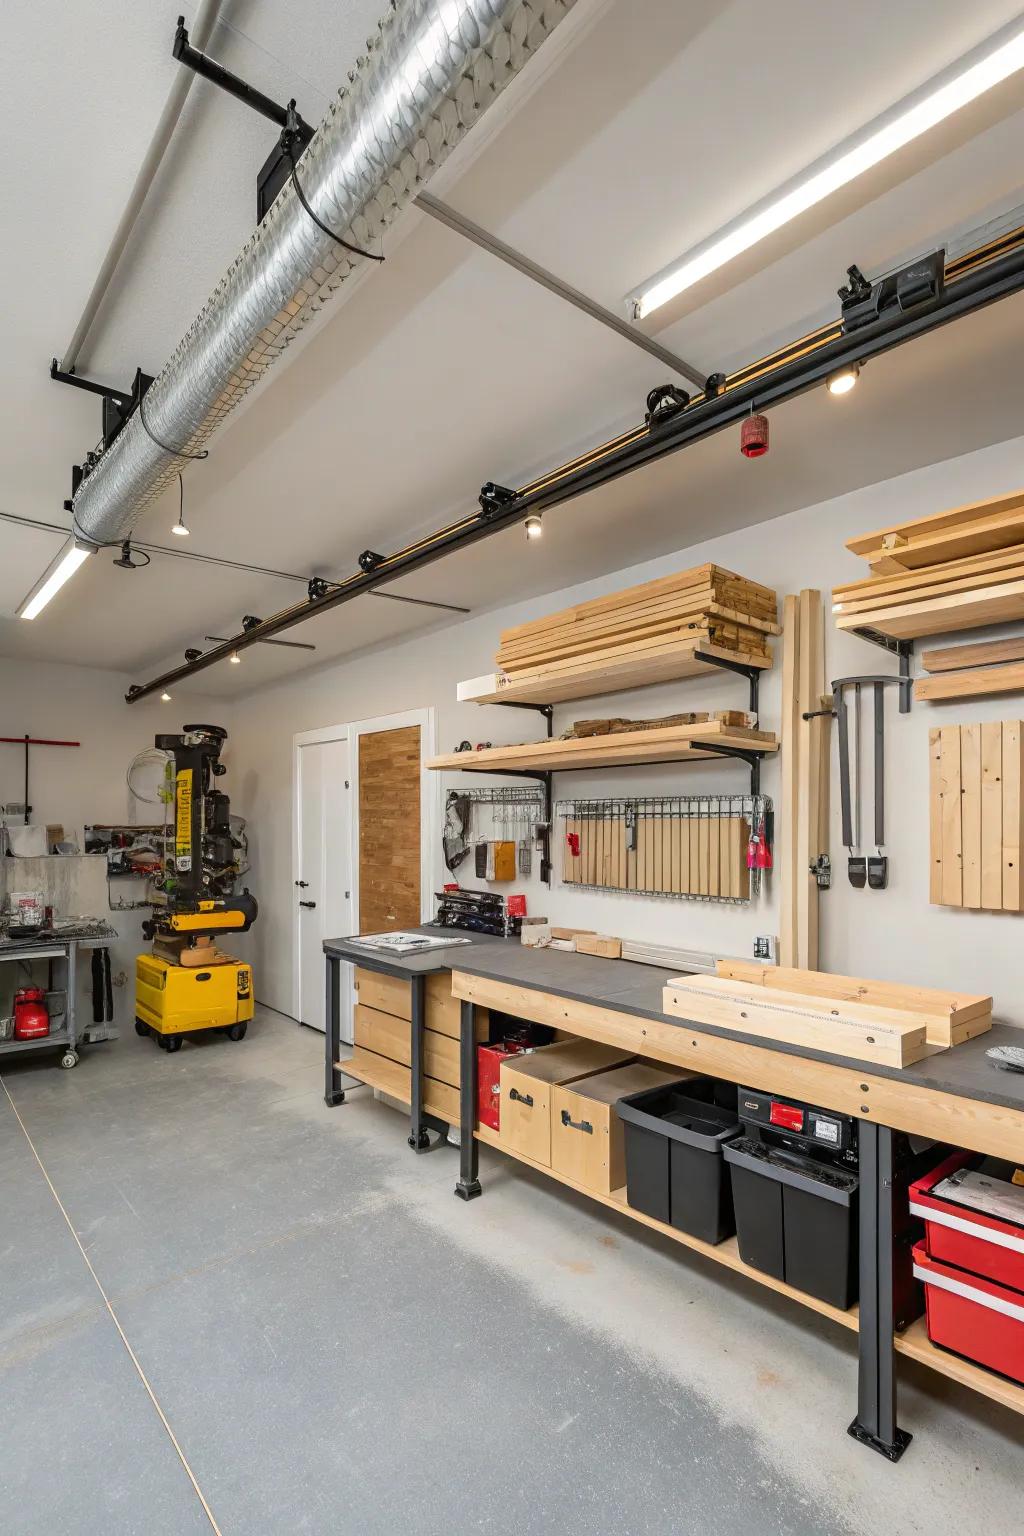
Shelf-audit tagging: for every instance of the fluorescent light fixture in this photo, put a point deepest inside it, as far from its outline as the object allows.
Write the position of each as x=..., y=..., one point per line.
x=977, y=72
x=59, y=570
x=841, y=382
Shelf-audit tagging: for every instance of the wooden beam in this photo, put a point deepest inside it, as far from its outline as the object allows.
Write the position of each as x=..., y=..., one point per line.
x=788, y=844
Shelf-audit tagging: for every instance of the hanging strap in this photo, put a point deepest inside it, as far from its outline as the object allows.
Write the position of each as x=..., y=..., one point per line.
x=843, y=719
x=879, y=766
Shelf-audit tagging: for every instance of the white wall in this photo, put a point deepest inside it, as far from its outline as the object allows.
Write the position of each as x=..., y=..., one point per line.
x=76, y=785
x=890, y=934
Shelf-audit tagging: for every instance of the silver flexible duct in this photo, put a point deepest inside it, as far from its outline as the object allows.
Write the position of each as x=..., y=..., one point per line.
x=433, y=69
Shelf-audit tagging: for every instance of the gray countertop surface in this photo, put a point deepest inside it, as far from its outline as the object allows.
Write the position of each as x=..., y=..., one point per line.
x=628, y=987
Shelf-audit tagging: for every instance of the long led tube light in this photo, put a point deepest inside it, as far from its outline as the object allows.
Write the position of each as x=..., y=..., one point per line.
x=977, y=72
x=59, y=570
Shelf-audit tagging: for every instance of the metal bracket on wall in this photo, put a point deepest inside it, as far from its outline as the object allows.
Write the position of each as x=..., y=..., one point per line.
x=902, y=650
x=752, y=674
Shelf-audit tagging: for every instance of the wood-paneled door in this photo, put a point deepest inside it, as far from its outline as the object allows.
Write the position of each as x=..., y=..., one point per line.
x=389, y=829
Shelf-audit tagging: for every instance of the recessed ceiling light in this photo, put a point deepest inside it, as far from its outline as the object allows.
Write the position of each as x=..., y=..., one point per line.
x=841, y=382
x=59, y=570
x=974, y=74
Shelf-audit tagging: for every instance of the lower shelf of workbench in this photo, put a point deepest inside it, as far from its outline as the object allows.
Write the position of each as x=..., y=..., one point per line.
x=914, y=1343
x=55, y=1038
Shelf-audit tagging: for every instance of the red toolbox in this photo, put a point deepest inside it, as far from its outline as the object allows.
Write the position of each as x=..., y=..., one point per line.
x=488, y=1087
x=973, y=1317
x=984, y=1245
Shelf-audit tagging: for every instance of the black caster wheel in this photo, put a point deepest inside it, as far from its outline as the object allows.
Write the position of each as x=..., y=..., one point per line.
x=69, y=1060
x=141, y=1029
x=237, y=1031
x=172, y=1043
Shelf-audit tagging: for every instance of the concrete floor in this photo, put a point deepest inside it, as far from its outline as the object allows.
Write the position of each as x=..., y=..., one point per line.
x=338, y=1345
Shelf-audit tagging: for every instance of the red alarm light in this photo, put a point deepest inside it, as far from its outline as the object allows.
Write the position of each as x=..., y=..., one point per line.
x=754, y=437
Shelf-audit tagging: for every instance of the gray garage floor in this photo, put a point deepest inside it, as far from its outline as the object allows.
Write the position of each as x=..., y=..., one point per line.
x=333, y=1343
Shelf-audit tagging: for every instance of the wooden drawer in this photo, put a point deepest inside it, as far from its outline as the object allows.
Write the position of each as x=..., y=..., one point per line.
x=587, y=1144
x=387, y=1036
x=439, y=1099
x=526, y=1089
x=391, y=994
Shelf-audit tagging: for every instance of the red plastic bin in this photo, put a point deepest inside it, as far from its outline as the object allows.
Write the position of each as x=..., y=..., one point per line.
x=488, y=1090
x=973, y=1317
x=982, y=1244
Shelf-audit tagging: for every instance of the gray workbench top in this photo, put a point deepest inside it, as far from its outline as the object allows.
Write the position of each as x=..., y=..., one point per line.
x=628, y=987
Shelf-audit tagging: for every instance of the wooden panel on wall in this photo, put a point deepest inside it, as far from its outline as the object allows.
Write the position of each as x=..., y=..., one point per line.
x=389, y=829
x=976, y=816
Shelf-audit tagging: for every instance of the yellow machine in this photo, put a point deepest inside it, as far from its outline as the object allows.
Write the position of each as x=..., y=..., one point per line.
x=187, y=984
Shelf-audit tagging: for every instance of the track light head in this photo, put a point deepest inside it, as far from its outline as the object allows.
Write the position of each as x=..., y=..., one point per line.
x=126, y=563
x=234, y=658
x=369, y=560
x=165, y=697
x=534, y=526
x=843, y=380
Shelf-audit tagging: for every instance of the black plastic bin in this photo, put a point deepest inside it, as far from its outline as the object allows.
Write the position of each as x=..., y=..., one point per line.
x=796, y=1219
x=673, y=1145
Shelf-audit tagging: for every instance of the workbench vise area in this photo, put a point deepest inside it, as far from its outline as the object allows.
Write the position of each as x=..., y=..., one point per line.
x=188, y=984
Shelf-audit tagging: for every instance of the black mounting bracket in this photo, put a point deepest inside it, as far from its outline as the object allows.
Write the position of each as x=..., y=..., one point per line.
x=118, y=404
x=493, y=498
x=277, y=167
x=902, y=650
x=743, y=755
x=752, y=674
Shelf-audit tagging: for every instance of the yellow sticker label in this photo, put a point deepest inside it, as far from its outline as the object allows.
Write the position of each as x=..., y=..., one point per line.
x=183, y=823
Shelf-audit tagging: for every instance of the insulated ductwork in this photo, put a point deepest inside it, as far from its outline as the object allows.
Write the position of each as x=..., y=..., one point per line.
x=431, y=71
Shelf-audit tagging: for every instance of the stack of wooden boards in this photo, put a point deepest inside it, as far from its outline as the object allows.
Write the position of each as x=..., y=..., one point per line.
x=700, y=855
x=881, y=1022
x=615, y=725
x=972, y=671
x=976, y=816
x=954, y=570
x=706, y=604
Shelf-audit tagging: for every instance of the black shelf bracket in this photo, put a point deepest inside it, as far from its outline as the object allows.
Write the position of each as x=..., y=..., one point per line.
x=752, y=674
x=902, y=650
x=742, y=755
x=547, y=710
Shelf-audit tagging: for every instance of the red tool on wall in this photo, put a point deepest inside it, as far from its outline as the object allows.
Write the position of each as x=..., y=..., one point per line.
x=31, y=1019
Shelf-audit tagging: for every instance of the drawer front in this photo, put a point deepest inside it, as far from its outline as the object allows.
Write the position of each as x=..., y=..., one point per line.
x=586, y=1141
x=383, y=1034
x=526, y=1115
x=389, y=994
x=444, y=1012
x=441, y=1057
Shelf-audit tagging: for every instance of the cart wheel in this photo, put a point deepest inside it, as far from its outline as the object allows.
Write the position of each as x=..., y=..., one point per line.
x=69, y=1060
x=161, y=1041
x=236, y=1031
x=140, y=1028
x=172, y=1042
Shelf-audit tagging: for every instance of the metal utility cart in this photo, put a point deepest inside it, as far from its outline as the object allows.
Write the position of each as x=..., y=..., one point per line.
x=67, y=1038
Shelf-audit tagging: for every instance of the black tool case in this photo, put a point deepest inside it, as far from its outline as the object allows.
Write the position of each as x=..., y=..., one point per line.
x=673, y=1147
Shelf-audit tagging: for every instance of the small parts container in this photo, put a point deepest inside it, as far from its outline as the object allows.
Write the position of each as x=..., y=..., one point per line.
x=796, y=1219
x=972, y=1316
x=674, y=1170
x=969, y=1239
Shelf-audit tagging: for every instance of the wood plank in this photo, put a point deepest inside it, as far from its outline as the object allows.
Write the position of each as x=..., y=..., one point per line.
x=936, y=522
x=620, y=649
x=935, y=816
x=970, y=814
x=389, y=830
x=952, y=836
x=662, y=664
x=704, y=574
x=974, y=683
x=992, y=816
x=811, y=687
x=891, y=1037
x=1013, y=809
x=974, y=1124
x=909, y=581
x=787, y=844
x=963, y=610
x=975, y=536
x=390, y=1077
x=982, y=653
x=926, y=588
x=677, y=743
x=948, y=1017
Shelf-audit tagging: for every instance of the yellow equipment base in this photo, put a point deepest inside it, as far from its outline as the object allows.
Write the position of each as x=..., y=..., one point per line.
x=175, y=1000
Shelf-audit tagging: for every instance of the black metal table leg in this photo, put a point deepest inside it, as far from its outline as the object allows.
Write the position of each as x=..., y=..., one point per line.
x=419, y=1137
x=333, y=1091
x=468, y=1186
x=875, y=1424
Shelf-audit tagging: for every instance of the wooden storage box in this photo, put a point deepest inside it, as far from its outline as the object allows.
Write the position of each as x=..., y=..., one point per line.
x=526, y=1087
x=586, y=1133
x=393, y=995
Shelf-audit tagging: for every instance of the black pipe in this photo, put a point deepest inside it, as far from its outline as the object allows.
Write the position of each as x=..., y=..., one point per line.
x=980, y=287
x=203, y=65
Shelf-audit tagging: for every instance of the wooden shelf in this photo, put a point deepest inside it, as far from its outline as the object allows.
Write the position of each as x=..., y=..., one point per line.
x=972, y=683
x=914, y=1343
x=394, y=1079
x=665, y=744
x=664, y=664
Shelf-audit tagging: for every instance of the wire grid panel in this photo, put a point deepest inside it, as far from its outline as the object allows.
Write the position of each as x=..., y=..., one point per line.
x=692, y=847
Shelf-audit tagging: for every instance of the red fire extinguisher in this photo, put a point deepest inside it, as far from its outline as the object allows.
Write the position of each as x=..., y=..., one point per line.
x=31, y=1020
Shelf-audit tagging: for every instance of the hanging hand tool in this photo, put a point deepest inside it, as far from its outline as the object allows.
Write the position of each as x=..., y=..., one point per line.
x=878, y=867
x=873, y=871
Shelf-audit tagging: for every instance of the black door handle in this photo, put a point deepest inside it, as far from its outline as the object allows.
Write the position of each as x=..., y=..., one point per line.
x=302, y=883
x=307, y=903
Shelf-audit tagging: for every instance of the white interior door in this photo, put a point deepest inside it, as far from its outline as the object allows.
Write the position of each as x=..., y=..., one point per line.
x=323, y=875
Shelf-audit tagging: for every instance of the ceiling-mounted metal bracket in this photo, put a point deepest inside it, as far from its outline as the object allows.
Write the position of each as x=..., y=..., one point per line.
x=118, y=404
x=902, y=650
x=495, y=498
x=277, y=167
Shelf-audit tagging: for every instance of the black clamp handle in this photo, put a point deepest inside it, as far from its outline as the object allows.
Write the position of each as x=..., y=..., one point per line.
x=521, y=1098
x=576, y=1125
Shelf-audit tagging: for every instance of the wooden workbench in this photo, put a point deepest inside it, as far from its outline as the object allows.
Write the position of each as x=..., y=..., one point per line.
x=956, y=1096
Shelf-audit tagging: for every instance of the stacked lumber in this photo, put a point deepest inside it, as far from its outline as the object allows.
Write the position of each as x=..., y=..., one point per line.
x=976, y=816
x=949, y=1018
x=954, y=570
x=615, y=725
x=972, y=671
x=662, y=744
x=706, y=604
x=890, y=1037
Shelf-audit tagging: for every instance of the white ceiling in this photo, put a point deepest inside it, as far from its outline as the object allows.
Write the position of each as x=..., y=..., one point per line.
x=444, y=368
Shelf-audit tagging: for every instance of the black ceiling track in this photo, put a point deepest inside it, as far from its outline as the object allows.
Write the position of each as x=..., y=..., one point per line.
x=894, y=310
